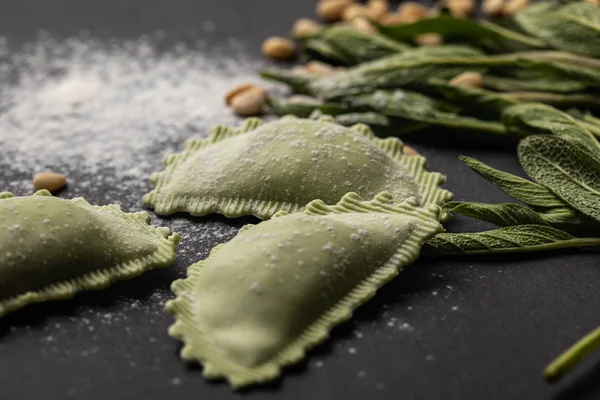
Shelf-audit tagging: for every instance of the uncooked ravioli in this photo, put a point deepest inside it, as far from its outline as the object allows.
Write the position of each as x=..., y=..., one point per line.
x=260, y=169
x=51, y=248
x=258, y=302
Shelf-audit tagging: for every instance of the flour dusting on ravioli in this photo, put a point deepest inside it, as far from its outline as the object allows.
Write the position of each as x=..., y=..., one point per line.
x=260, y=169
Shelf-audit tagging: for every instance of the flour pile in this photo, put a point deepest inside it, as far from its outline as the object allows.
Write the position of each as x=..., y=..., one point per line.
x=108, y=111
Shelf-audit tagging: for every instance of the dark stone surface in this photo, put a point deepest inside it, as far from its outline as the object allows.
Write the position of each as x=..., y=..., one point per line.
x=454, y=329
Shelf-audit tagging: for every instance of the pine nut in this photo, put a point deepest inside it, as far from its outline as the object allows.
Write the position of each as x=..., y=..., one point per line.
x=320, y=68
x=235, y=91
x=249, y=102
x=377, y=9
x=354, y=11
x=512, y=6
x=304, y=28
x=51, y=181
x=468, y=79
x=363, y=24
x=491, y=8
x=279, y=49
x=428, y=39
x=409, y=151
x=413, y=11
x=332, y=10
x=461, y=8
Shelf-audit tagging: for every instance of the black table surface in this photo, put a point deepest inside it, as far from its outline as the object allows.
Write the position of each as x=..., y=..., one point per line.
x=446, y=329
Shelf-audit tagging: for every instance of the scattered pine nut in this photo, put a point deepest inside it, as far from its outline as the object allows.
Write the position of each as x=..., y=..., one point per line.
x=410, y=151
x=491, y=8
x=303, y=99
x=320, y=68
x=304, y=28
x=392, y=19
x=377, y=9
x=512, y=6
x=414, y=9
x=428, y=39
x=300, y=69
x=461, y=8
x=332, y=10
x=410, y=12
x=235, y=91
x=250, y=102
x=354, y=11
x=468, y=79
x=278, y=48
x=363, y=24
x=51, y=181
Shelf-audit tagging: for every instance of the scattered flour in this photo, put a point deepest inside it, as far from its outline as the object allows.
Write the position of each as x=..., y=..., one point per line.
x=106, y=113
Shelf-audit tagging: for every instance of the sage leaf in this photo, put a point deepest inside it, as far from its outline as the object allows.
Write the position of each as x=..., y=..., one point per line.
x=484, y=33
x=571, y=221
x=536, y=83
x=590, y=119
x=590, y=123
x=521, y=189
x=558, y=70
x=490, y=105
x=506, y=214
x=567, y=169
x=568, y=360
x=476, y=101
x=322, y=50
x=410, y=69
x=359, y=46
x=573, y=27
x=559, y=100
x=419, y=108
x=510, y=239
x=542, y=119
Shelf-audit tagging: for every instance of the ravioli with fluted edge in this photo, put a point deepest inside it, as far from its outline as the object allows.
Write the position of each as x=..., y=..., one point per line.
x=260, y=169
x=51, y=248
x=258, y=302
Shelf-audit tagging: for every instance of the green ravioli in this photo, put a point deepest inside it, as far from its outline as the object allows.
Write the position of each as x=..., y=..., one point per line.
x=260, y=169
x=51, y=248
x=258, y=302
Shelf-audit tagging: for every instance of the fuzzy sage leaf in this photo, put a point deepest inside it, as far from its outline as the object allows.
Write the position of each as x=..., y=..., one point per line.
x=415, y=107
x=506, y=214
x=485, y=34
x=569, y=171
x=359, y=46
x=409, y=69
x=533, y=81
x=573, y=27
x=535, y=118
x=510, y=239
x=518, y=188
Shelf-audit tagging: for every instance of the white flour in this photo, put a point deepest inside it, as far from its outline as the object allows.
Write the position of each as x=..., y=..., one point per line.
x=109, y=112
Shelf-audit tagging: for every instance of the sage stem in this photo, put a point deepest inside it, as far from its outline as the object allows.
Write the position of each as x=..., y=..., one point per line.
x=572, y=357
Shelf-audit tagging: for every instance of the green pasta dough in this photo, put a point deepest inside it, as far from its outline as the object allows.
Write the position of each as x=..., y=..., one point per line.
x=260, y=301
x=281, y=166
x=51, y=248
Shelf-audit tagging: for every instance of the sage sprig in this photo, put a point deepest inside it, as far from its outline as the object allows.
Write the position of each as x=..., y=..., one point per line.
x=573, y=356
x=570, y=172
x=349, y=46
x=511, y=239
x=484, y=33
x=507, y=214
x=564, y=161
x=526, y=191
x=573, y=27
